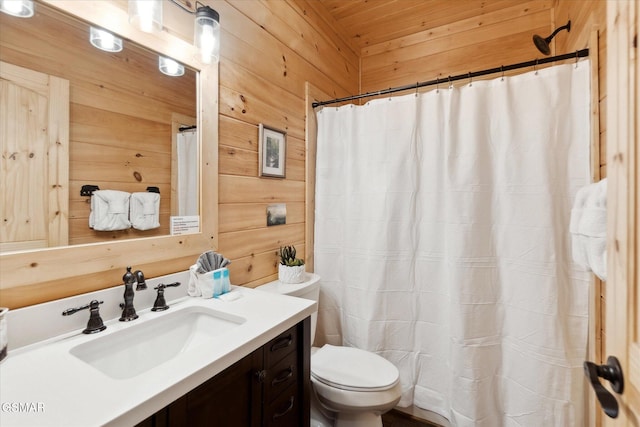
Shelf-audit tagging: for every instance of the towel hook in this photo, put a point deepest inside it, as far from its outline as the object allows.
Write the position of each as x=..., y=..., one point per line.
x=88, y=189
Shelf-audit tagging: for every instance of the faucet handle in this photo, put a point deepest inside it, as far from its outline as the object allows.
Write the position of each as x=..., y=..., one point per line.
x=161, y=304
x=95, y=323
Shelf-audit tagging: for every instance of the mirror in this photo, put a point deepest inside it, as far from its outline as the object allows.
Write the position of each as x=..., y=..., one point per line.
x=122, y=130
x=33, y=276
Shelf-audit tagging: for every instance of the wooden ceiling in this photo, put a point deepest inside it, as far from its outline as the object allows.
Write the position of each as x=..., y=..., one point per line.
x=370, y=22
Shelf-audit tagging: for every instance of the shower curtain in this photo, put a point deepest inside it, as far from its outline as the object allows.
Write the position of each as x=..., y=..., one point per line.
x=187, y=149
x=442, y=240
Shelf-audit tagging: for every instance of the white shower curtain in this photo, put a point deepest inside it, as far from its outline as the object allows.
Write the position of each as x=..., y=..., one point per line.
x=442, y=240
x=187, y=148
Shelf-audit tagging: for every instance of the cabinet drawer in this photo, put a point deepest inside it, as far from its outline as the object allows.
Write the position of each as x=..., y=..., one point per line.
x=280, y=346
x=280, y=376
x=284, y=411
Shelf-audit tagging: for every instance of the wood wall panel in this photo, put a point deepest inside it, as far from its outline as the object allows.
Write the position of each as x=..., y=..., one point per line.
x=268, y=51
x=498, y=37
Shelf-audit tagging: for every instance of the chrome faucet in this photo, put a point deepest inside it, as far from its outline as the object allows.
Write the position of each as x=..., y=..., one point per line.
x=128, y=311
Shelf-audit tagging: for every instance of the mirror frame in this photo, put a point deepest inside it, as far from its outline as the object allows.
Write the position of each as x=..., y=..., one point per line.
x=31, y=277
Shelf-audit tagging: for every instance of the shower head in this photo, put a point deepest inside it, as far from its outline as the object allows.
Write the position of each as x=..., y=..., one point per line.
x=543, y=43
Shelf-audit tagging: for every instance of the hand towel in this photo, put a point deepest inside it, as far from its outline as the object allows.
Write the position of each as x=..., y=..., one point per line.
x=109, y=210
x=145, y=210
x=588, y=227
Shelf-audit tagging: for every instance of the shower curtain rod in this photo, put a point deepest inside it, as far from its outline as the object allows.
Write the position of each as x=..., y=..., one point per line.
x=578, y=54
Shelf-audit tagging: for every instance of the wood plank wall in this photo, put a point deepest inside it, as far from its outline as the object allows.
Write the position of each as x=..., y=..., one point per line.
x=269, y=49
x=500, y=36
x=120, y=112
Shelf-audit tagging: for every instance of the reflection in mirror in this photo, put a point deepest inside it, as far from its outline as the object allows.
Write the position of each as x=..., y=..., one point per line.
x=120, y=115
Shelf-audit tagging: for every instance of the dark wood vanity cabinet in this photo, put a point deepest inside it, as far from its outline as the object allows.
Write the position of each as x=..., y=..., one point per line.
x=268, y=388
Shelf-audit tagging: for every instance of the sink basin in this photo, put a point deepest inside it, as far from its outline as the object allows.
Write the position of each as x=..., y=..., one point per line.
x=140, y=347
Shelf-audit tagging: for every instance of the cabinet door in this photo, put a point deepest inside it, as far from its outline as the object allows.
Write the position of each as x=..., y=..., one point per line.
x=230, y=399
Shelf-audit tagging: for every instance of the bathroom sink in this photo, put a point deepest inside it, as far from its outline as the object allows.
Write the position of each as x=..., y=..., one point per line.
x=140, y=347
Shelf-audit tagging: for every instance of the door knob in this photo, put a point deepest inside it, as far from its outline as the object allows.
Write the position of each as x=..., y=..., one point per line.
x=611, y=372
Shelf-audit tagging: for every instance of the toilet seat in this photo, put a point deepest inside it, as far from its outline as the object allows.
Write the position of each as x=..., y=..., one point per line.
x=352, y=369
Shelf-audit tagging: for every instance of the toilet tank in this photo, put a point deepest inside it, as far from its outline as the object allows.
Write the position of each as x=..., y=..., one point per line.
x=309, y=289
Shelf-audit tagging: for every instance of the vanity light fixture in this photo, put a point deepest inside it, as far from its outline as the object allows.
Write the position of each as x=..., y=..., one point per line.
x=104, y=40
x=146, y=14
x=206, y=30
x=170, y=67
x=19, y=8
x=207, y=34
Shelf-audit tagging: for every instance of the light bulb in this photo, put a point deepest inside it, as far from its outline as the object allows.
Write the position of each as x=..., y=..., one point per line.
x=207, y=43
x=19, y=8
x=170, y=67
x=104, y=40
x=146, y=14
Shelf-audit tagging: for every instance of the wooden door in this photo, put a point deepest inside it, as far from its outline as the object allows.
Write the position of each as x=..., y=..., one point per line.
x=623, y=230
x=34, y=170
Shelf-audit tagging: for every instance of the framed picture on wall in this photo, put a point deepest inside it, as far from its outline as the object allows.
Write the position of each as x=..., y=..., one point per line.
x=272, y=152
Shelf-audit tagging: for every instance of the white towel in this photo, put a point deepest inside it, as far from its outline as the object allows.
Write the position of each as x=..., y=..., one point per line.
x=588, y=228
x=145, y=210
x=193, y=288
x=109, y=210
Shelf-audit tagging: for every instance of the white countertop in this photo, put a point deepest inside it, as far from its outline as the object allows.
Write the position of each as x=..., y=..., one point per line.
x=42, y=384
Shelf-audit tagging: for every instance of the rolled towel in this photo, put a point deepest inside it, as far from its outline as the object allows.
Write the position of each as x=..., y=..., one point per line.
x=109, y=210
x=193, y=289
x=588, y=227
x=145, y=210
x=210, y=260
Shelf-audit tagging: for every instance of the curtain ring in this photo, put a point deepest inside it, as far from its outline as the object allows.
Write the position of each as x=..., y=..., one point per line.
x=470, y=79
x=576, y=59
x=417, y=88
x=502, y=69
x=450, y=84
x=535, y=67
x=437, y=85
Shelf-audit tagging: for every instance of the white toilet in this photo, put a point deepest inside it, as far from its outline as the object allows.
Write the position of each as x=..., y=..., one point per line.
x=352, y=387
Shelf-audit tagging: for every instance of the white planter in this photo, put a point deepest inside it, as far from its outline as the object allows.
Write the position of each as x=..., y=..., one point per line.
x=294, y=274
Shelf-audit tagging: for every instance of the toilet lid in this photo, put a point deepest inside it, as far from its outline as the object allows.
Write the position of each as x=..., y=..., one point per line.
x=353, y=369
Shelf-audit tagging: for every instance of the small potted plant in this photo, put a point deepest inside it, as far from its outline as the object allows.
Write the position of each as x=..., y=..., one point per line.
x=290, y=269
